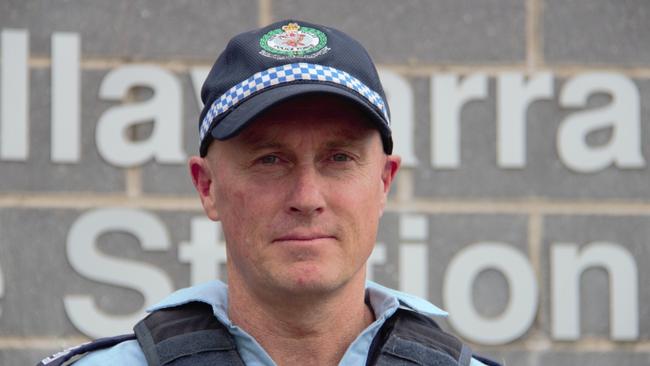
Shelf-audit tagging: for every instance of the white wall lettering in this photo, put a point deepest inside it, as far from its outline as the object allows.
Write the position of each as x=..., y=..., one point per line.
x=164, y=108
x=567, y=265
x=88, y=261
x=457, y=291
x=65, y=95
x=205, y=252
x=448, y=96
x=14, y=94
x=514, y=97
x=622, y=115
x=414, y=255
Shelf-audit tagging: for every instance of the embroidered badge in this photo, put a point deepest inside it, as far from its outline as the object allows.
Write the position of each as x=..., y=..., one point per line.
x=292, y=41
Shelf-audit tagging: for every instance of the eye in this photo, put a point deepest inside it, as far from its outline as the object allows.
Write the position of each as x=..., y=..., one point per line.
x=269, y=159
x=341, y=157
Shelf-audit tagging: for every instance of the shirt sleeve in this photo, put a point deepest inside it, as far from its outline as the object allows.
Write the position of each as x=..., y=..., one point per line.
x=125, y=353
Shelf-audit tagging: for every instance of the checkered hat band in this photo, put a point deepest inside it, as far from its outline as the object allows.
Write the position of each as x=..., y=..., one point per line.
x=287, y=74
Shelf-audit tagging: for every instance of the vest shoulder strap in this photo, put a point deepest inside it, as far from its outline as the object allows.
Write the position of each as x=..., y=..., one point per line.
x=168, y=337
x=190, y=334
x=411, y=338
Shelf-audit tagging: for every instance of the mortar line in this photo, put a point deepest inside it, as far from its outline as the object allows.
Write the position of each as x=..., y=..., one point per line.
x=404, y=182
x=422, y=70
x=526, y=207
x=535, y=225
x=264, y=17
x=535, y=232
x=133, y=182
x=533, y=35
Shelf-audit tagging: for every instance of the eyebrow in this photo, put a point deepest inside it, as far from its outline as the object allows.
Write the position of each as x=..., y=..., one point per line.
x=345, y=142
x=271, y=145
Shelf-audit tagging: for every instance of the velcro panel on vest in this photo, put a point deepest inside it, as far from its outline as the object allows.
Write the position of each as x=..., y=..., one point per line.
x=168, y=336
x=411, y=338
x=402, y=352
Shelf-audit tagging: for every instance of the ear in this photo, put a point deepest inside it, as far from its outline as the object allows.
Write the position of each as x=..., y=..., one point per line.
x=203, y=181
x=391, y=166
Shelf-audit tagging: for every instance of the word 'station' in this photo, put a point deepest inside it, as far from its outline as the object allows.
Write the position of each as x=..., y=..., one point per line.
x=205, y=253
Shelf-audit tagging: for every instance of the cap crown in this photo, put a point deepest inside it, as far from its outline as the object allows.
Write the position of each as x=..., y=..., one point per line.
x=283, y=43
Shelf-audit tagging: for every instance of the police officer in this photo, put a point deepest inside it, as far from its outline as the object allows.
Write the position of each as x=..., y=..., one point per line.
x=296, y=163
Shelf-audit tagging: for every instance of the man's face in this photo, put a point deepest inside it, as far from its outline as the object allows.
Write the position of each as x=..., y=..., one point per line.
x=299, y=194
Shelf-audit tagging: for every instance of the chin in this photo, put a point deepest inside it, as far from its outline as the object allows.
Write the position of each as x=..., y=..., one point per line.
x=302, y=281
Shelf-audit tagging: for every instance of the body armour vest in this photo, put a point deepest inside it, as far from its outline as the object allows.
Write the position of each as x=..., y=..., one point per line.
x=190, y=335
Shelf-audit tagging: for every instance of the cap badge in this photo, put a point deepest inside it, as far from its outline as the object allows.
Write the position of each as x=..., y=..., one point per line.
x=292, y=41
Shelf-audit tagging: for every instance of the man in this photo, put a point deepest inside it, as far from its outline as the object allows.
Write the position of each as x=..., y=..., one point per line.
x=295, y=162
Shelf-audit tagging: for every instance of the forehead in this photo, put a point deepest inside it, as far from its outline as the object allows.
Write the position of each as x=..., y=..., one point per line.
x=321, y=115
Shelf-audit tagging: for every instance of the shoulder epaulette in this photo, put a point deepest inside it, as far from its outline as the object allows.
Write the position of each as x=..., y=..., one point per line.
x=71, y=354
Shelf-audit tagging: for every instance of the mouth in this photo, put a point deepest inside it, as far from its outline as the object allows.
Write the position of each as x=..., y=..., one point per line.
x=304, y=237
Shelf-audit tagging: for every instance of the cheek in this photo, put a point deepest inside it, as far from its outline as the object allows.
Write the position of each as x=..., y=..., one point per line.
x=370, y=195
x=230, y=204
x=363, y=203
x=244, y=213
x=235, y=206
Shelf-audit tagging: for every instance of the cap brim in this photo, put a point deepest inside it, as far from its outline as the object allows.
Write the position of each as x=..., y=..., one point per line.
x=244, y=113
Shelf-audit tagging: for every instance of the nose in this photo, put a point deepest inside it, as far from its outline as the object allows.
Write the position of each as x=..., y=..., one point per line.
x=306, y=195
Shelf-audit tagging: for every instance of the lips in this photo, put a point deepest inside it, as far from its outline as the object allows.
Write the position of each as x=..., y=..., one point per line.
x=303, y=237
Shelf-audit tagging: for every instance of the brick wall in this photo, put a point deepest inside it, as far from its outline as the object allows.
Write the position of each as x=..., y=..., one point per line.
x=525, y=210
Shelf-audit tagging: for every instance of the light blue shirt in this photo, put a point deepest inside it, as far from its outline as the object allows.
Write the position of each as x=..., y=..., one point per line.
x=384, y=302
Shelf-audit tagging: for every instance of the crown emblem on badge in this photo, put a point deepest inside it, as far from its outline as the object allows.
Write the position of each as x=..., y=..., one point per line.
x=291, y=27
x=293, y=41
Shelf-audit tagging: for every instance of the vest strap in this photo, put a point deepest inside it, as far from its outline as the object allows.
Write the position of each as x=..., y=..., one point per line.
x=411, y=338
x=189, y=334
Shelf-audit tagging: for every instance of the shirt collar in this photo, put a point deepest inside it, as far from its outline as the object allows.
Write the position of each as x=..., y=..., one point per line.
x=384, y=302
x=384, y=299
x=215, y=293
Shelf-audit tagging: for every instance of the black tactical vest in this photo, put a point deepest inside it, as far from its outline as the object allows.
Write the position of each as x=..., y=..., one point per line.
x=190, y=335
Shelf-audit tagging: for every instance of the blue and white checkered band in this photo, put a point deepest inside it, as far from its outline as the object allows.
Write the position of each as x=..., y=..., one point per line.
x=287, y=74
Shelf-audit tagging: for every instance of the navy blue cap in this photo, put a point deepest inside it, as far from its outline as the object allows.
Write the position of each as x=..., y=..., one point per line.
x=263, y=67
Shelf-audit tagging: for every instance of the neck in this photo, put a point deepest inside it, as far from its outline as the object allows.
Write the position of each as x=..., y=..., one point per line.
x=307, y=330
